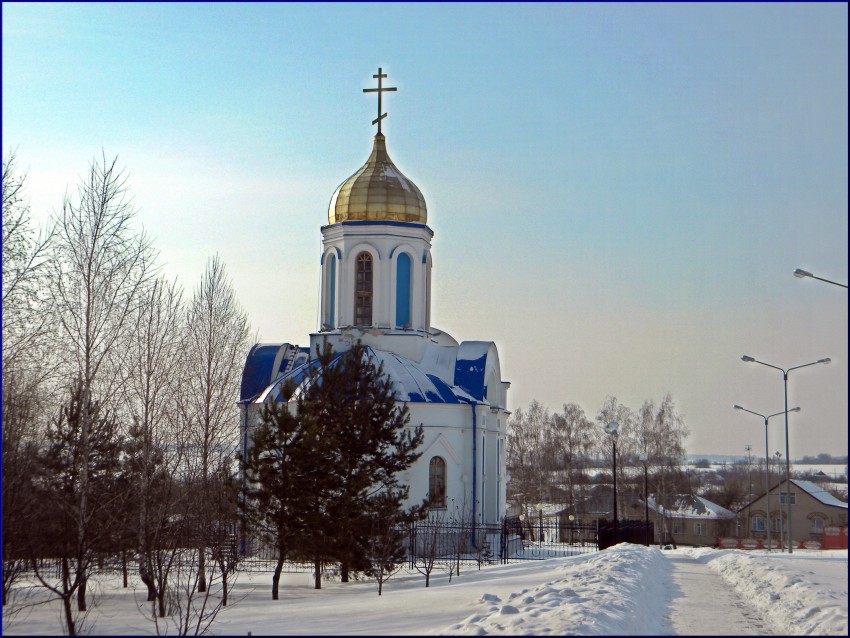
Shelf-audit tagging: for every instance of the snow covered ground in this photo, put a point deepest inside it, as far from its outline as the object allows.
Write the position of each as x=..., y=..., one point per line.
x=626, y=589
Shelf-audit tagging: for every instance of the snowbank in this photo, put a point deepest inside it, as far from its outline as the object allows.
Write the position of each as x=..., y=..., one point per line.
x=616, y=592
x=799, y=593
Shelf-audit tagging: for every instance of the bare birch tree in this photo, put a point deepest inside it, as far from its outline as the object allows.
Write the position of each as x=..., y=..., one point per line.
x=151, y=393
x=25, y=259
x=571, y=442
x=26, y=361
x=99, y=266
x=215, y=349
x=526, y=437
x=428, y=538
x=664, y=432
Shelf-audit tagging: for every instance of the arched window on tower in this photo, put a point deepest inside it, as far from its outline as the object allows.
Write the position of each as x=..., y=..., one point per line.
x=330, y=291
x=363, y=290
x=402, y=291
x=437, y=483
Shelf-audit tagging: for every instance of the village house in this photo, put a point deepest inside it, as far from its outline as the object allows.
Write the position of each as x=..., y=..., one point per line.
x=687, y=519
x=813, y=510
x=681, y=518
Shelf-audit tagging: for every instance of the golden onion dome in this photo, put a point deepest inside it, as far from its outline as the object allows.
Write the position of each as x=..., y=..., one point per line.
x=378, y=192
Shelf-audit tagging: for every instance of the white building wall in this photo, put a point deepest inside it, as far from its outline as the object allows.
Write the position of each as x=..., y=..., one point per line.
x=448, y=434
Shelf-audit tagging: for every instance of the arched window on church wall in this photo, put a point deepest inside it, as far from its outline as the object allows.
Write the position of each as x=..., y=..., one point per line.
x=363, y=291
x=437, y=483
x=402, y=291
x=330, y=292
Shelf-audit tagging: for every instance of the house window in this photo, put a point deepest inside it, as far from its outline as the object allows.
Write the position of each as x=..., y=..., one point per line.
x=700, y=529
x=817, y=525
x=677, y=527
x=402, y=291
x=363, y=291
x=777, y=524
x=757, y=524
x=437, y=483
x=842, y=520
x=792, y=497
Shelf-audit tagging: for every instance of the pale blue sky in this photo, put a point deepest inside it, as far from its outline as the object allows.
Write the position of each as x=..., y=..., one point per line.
x=619, y=192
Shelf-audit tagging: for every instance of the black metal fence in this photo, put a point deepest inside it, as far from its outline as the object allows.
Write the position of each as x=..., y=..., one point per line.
x=436, y=542
x=627, y=531
x=449, y=543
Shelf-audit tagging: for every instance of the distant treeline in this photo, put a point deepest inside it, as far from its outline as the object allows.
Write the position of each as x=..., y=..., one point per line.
x=823, y=459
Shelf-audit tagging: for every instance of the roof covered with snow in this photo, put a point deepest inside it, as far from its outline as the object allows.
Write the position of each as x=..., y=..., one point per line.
x=819, y=493
x=689, y=506
x=412, y=382
x=433, y=370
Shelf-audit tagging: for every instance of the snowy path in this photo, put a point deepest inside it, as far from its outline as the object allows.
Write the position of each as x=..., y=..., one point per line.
x=702, y=603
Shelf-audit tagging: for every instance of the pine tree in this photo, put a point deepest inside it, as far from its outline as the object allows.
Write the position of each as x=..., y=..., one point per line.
x=351, y=402
x=72, y=451
x=280, y=481
x=321, y=478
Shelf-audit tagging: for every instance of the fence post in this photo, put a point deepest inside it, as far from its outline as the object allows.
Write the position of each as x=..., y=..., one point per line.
x=411, y=545
x=597, y=534
x=503, y=541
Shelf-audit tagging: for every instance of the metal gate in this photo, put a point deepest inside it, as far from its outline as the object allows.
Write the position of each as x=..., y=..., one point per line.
x=510, y=542
x=539, y=540
x=627, y=531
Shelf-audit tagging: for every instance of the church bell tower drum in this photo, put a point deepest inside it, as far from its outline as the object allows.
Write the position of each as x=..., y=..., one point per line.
x=376, y=257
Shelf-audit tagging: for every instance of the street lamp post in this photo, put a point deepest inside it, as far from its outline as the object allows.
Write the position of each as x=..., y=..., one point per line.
x=611, y=429
x=749, y=359
x=645, y=458
x=802, y=274
x=781, y=525
x=767, y=462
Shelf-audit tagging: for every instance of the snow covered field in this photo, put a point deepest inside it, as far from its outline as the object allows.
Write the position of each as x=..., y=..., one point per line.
x=626, y=589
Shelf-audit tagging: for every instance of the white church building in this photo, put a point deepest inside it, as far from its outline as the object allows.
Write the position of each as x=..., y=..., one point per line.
x=376, y=288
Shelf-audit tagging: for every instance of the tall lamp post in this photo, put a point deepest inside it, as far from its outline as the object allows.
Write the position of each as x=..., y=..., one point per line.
x=781, y=525
x=644, y=458
x=749, y=359
x=766, y=461
x=611, y=429
x=802, y=274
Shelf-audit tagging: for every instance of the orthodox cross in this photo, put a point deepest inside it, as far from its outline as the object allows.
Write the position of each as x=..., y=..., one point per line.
x=379, y=90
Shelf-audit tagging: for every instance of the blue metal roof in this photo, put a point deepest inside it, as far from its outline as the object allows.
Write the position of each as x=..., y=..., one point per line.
x=412, y=382
x=266, y=362
x=470, y=367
